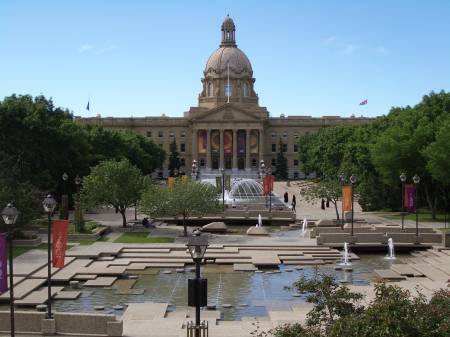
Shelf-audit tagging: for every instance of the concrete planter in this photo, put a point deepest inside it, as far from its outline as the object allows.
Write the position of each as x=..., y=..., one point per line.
x=98, y=233
x=446, y=239
x=27, y=242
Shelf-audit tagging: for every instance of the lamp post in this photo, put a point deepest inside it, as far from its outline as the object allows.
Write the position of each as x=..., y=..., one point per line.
x=269, y=173
x=194, y=169
x=262, y=169
x=416, y=180
x=403, y=179
x=64, y=211
x=197, y=288
x=352, y=181
x=10, y=215
x=49, y=205
x=222, y=170
x=342, y=181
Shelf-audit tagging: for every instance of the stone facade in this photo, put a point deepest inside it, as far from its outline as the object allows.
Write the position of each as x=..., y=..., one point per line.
x=228, y=129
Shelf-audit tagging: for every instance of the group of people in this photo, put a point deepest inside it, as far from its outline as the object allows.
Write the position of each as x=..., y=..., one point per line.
x=293, y=201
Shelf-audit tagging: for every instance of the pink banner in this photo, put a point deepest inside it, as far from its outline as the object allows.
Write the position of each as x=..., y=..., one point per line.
x=3, y=264
x=59, y=242
x=409, y=201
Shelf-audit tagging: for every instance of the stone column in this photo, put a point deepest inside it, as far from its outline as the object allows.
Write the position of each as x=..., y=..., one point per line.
x=208, y=149
x=221, y=160
x=194, y=147
x=234, y=149
x=247, y=149
x=261, y=145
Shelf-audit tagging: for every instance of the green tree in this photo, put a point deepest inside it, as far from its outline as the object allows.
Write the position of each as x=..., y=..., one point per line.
x=113, y=183
x=438, y=154
x=174, y=158
x=186, y=198
x=324, y=189
x=281, y=167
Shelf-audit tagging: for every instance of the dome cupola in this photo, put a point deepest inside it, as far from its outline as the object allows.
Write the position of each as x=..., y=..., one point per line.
x=228, y=74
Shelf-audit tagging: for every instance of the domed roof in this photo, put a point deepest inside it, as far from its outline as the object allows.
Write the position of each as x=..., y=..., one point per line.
x=228, y=53
x=232, y=56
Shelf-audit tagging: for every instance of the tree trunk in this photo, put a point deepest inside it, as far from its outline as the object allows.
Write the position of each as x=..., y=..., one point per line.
x=336, y=208
x=184, y=224
x=124, y=218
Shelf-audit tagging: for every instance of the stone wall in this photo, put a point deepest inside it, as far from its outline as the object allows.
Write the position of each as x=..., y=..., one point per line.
x=76, y=324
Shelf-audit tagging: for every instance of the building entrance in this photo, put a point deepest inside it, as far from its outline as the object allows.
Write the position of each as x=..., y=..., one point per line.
x=241, y=163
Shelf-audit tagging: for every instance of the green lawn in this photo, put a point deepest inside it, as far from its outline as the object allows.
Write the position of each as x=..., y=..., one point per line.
x=142, y=237
x=17, y=251
x=423, y=217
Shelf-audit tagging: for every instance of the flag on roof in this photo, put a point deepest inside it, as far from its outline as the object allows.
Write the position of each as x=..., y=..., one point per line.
x=363, y=102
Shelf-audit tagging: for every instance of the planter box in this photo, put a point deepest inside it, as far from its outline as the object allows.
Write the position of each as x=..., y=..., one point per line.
x=99, y=232
x=27, y=242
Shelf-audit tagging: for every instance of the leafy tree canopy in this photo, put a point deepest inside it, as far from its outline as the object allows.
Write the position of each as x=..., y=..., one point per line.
x=114, y=183
x=185, y=198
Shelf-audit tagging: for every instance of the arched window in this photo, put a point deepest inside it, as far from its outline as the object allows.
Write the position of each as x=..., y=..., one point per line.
x=228, y=89
x=245, y=90
x=210, y=89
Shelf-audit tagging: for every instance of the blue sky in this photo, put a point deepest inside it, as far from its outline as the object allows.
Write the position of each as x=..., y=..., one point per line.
x=146, y=58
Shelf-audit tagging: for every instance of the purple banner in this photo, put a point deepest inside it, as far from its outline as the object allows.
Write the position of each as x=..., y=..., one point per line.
x=241, y=142
x=410, y=198
x=3, y=264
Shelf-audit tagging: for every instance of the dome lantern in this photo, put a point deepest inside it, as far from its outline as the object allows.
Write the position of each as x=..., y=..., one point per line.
x=228, y=33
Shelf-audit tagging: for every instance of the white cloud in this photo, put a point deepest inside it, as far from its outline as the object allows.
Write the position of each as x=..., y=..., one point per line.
x=382, y=50
x=85, y=48
x=349, y=49
x=329, y=40
x=111, y=47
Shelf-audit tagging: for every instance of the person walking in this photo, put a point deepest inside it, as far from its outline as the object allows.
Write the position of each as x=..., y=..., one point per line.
x=286, y=197
x=323, y=204
x=294, y=202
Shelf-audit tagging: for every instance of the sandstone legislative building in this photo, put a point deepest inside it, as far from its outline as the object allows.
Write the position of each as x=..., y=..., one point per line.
x=228, y=129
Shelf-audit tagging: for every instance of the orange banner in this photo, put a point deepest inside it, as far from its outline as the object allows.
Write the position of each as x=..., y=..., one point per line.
x=170, y=182
x=59, y=242
x=346, y=198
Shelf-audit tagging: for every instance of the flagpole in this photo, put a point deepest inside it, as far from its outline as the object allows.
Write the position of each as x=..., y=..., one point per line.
x=228, y=82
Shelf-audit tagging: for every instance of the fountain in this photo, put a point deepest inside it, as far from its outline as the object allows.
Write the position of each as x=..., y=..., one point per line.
x=304, y=227
x=259, y=221
x=345, y=261
x=391, y=255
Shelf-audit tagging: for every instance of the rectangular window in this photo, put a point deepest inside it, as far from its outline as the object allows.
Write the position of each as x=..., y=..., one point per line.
x=274, y=135
x=285, y=134
x=228, y=89
x=295, y=147
x=160, y=134
x=274, y=147
x=182, y=147
x=149, y=133
x=183, y=134
x=296, y=135
x=284, y=147
x=295, y=162
x=171, y=134
x=274, y=162
x=182, y=162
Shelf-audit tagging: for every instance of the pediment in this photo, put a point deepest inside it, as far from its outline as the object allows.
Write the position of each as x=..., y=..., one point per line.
x=227, y=112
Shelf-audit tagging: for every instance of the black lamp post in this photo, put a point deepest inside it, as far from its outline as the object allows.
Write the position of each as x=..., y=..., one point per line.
x=342, y=181
x=222, y=170
x=352, y=181
x=197, y=288
x=10, y=215
x=49, y=205
x=64, y=211
x=403, y=179
x=194, y=168
x=416, y=180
